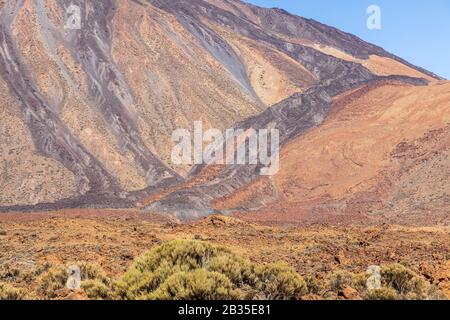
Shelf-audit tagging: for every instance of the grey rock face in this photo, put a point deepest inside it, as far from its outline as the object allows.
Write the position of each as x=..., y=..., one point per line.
x=50, y=135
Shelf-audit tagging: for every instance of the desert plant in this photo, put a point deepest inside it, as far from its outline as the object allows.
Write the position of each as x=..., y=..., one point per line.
x=153, y=268
x=314, y=286
x=196, y=285
x=237, y=269
x=407, y=283
x=176, y=269
x=339, y=280
x=95, y=283
x=98, y=290
x=433, y=293
x=359, y=281
x=278, y=281
x=92, y=271
x=9, y=273
x=7, y=292
x=384, y=293
x=51, y=280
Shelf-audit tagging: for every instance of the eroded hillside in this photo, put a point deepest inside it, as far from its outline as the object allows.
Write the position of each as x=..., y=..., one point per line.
x=88, y=112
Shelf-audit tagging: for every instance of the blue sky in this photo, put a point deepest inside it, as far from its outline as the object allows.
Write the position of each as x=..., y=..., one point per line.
x=416, y=30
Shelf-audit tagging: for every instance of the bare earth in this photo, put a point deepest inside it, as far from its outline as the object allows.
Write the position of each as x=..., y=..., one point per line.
x=114, y=238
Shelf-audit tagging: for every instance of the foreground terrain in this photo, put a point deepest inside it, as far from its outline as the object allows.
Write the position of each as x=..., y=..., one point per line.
x=114, y=238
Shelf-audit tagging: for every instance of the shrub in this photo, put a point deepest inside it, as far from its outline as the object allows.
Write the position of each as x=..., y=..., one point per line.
x=238, y=270
x=383, y=293
x=360, y=281
x=92, y=271
x=9, y=273
x=313, y=285
x=193, y=269
x=52, y=280
x=278, y=281
x=8, y=292
x=153, y=268
x=95, y=283
x=196, y=285
x=97, y=290
x=404, y=281
x=433, y=293
x=339, y=280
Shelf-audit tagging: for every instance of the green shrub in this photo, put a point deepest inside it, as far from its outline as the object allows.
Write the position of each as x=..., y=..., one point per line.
x=97, y=290
x=383, y=293
x=190, y=269
x=278, y=281
x=153, y=268
x=196, y=285
x=92, y=271
x=238, y=270
x=95, y=283
x=8, y=292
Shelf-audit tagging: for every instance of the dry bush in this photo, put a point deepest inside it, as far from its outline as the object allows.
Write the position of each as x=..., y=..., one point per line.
x=98, y=290
x=339, y=280
x=8, y=292
x=359, y=281
x=196, y=285
x=314, y=285
x=9, y=273
x=95, y=283
x=51, y=280
x=54, y=278
x=278, y=281
x=384, y=293
x=408, y=284
x=398, y=282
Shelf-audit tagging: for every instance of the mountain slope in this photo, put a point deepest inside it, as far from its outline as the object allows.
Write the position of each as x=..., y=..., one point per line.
x=93, y=109
x=382, y=154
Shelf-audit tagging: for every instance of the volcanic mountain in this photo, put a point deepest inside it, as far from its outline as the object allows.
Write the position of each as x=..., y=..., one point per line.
x=88, y=112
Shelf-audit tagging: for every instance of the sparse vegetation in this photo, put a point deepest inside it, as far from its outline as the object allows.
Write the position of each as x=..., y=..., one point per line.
x=9, y=273
x=384, y=293
x=398, y=282
x=196, y=285
x=98, y=290
x=93, y=279
x=8, y=292
x=50, y=281
x=194, y=270
x=279, y=281
x=340, y=279
x=179, y=263
x=408, y=284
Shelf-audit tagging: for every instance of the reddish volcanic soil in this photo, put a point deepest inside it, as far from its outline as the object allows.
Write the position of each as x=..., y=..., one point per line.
x=114, y=239
x=382, y=156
